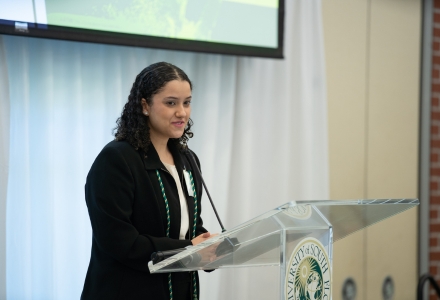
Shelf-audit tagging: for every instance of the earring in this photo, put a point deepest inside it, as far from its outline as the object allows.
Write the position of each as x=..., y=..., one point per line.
x=146, y=113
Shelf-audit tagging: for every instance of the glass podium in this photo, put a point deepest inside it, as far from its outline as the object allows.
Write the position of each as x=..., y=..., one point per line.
x=297, y=237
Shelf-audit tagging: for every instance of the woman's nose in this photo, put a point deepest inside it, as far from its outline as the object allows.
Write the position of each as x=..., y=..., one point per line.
x=181, y=112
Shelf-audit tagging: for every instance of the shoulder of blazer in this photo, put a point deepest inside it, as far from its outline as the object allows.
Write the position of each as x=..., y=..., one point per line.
x=122, y=146
x=122, y=150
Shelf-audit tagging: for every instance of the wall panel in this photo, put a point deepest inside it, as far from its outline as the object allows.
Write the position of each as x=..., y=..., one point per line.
x=345, y=36
x=392, y=155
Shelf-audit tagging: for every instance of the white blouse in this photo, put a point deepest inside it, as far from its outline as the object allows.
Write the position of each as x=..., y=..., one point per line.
x=184, y=219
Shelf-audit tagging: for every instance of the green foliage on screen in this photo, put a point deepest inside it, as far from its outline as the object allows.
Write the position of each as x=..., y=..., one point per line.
x=200, y=20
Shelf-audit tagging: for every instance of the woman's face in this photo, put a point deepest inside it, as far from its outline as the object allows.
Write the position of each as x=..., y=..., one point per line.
x=169, y=111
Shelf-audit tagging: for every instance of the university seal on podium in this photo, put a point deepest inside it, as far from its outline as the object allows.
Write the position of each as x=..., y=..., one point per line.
x=308, y=274
x=302, y=212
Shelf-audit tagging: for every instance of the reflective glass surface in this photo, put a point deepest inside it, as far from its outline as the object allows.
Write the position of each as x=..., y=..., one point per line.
x=264, y=240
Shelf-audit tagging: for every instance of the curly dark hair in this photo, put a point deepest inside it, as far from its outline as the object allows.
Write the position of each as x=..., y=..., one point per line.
x=132, y=125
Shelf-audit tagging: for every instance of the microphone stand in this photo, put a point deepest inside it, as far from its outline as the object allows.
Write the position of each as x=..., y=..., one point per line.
x=196, y=167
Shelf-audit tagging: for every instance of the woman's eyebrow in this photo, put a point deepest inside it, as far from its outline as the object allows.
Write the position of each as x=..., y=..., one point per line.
x=176, y=98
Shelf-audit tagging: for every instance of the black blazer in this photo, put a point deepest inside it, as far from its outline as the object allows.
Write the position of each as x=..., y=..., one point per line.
x=128, y=218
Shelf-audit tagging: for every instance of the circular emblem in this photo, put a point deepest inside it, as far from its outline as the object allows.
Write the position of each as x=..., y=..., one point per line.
x=308, y=274
x=302, y=212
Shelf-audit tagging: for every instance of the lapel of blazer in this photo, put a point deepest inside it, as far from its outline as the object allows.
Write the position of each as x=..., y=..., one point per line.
x=152, y=162
x=151, y=159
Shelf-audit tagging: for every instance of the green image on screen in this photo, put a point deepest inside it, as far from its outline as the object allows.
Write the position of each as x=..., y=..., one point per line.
x=242, y=22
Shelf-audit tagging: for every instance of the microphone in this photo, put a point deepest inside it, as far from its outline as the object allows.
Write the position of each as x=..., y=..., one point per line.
x=227, y=246
x=162, y=255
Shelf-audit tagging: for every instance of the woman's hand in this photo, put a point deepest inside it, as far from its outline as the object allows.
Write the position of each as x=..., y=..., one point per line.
x=207, y=254
x=201, y=238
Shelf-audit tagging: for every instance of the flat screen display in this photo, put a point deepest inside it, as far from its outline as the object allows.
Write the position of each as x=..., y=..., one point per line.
x=238, y=27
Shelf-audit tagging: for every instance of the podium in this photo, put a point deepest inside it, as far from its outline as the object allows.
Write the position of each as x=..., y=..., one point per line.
x=297, y=237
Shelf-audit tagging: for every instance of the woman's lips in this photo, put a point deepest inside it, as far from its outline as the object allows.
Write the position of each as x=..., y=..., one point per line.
x=178, y=124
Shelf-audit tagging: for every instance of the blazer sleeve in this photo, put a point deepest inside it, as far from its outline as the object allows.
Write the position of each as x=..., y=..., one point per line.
x=109, y=195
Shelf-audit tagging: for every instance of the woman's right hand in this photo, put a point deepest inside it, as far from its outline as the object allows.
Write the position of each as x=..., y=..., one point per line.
x=202, y=237
x=207, y=254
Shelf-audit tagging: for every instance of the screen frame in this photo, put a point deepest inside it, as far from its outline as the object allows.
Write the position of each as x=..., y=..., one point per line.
x=8, y=27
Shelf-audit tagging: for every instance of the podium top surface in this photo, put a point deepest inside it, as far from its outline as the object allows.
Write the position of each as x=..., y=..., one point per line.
x=344, y=216
x=349, y=216
x=256, y=241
